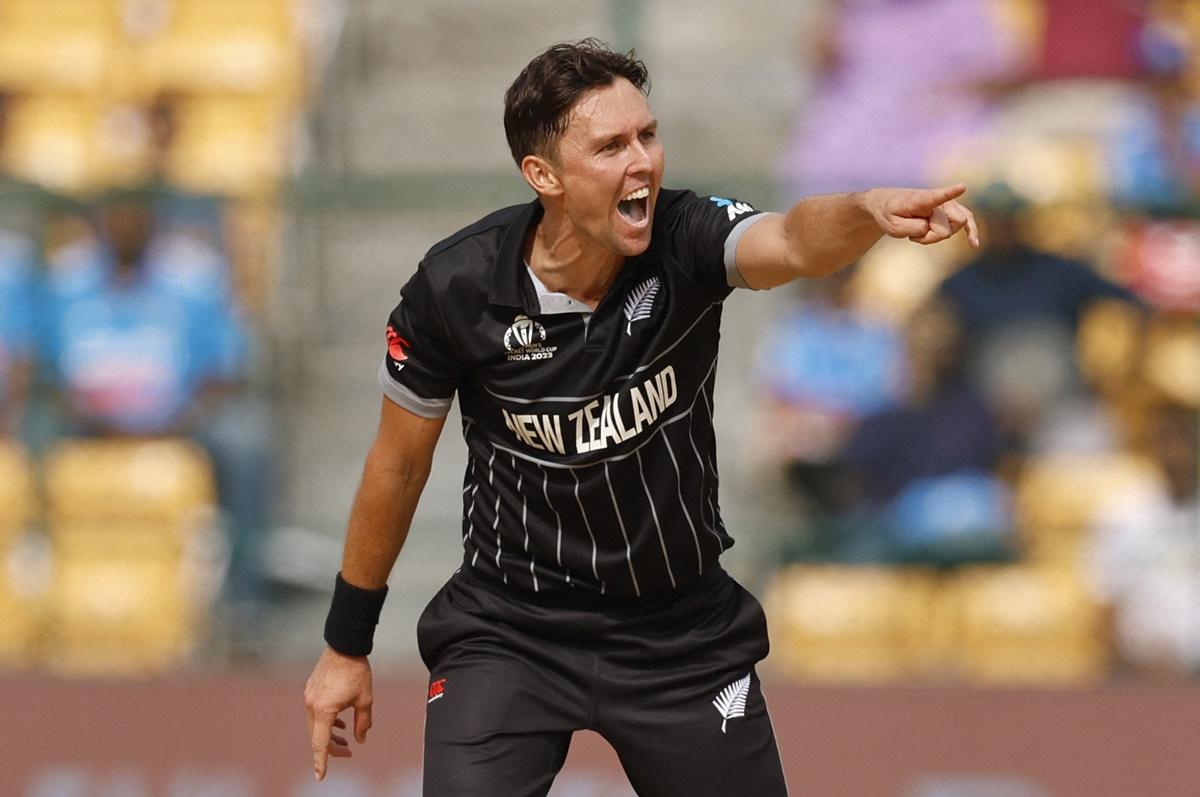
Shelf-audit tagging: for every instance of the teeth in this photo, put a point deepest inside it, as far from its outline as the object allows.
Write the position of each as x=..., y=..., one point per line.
x=641, y=193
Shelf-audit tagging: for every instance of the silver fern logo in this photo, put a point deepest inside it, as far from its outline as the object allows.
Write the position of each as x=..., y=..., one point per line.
x=640, y=303
x=731, y=703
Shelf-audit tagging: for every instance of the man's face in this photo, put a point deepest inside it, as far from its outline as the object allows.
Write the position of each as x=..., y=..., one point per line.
x=610, y=166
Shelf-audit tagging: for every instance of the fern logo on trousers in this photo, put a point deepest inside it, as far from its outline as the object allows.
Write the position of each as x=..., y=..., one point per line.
x=731, y=703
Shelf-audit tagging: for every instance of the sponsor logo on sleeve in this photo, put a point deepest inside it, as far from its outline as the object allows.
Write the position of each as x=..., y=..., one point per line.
x=525, y=339
x=436, y=690
x=397, y=347
x=734, y=209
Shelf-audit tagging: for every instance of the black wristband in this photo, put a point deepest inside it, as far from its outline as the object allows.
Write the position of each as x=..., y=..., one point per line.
x=353, y=615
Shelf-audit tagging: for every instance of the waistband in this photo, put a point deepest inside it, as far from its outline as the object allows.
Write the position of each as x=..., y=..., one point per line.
x=580, y=598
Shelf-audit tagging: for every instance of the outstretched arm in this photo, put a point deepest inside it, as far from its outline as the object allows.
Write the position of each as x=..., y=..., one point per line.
x=394, y=476
x=821, y=234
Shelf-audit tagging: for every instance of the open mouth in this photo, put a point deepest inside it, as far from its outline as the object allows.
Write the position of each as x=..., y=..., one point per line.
x=633, y=206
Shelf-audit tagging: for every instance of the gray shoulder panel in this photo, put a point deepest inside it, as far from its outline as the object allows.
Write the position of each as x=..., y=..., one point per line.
x=402, y=396
x=733, y=277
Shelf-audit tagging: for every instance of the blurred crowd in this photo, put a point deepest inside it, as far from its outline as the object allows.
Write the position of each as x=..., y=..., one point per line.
x=143, y=144
x=1031, y=408
x=990, y=456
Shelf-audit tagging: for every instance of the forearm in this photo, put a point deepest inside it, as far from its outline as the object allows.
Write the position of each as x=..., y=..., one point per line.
x=821, y=234
x=824, y=233
x=380, y=519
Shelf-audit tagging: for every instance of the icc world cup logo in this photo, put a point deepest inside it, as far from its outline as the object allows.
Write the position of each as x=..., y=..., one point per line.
x=525, y=333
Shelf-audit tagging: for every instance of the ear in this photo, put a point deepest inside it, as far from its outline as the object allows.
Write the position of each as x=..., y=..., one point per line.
x=541, y=175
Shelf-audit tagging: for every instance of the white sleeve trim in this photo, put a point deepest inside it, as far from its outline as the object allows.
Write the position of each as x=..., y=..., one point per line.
x=404, y=397
x=733, y=277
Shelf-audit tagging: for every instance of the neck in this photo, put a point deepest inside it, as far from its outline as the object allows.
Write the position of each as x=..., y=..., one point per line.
x=567, y=261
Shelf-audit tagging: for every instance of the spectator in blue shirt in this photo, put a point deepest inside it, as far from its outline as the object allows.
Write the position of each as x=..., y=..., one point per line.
x=16, y=328
x=824, y=366
x=143, y=339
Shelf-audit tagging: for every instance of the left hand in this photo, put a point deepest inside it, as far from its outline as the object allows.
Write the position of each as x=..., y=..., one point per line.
x=924, y=215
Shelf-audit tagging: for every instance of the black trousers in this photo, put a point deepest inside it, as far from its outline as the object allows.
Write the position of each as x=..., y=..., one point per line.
x=670, y=684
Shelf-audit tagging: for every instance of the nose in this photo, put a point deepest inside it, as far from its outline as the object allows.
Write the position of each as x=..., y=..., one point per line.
x=640, y=161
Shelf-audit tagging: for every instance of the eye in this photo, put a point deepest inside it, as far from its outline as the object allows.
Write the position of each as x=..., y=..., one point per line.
x=611, y=146
x=649, y=135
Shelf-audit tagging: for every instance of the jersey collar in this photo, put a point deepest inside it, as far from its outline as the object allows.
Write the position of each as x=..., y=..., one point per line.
x=511, y=286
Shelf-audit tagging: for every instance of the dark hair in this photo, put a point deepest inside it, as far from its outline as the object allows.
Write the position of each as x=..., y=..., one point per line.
x=538, y=104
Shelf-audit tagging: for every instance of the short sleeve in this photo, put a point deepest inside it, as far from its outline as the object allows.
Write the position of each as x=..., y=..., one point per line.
x=420, y=371
x=703, y=233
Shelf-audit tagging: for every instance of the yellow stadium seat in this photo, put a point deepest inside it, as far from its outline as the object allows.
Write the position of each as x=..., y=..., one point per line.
x=164, y=482
x=269, y=17
x=1106, y=347
x=69, y=144
x=1057, y=496
x=20, y=624
x=1172, y=363
x=118, y=615
x=120, y=515
x=229, y=145
x=850, y=623
x=17, y=499
x=51, y=141
x=1024, y=624
x=228, y=45
x=57, y=45
x=1054, y=169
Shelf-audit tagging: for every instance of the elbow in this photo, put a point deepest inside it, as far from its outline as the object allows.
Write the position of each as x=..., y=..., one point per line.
x=804, y=264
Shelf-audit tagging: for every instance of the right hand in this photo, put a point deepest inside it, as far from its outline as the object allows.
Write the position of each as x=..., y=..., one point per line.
x=337, y=682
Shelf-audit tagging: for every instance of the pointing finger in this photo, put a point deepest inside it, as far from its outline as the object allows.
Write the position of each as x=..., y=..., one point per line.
x=921, y=203
x=321, y=731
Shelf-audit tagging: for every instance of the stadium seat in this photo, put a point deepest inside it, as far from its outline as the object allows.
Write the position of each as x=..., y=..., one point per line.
x=1172, y=362
x=20, y=625
x=115, y=615
x=893, y=280
x=51, y=141
x=121, y=515
x=19, y=609
x=1023, y=624
x=850, y=623
x=228, y=46
x=17, y=499
x=57, y=45
x=161, y=482
x=1057, y=496
x=1106, y=347
x=229, y=145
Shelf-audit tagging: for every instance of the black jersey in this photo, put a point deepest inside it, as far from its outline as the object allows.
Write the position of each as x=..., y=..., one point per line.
x=592, y=459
